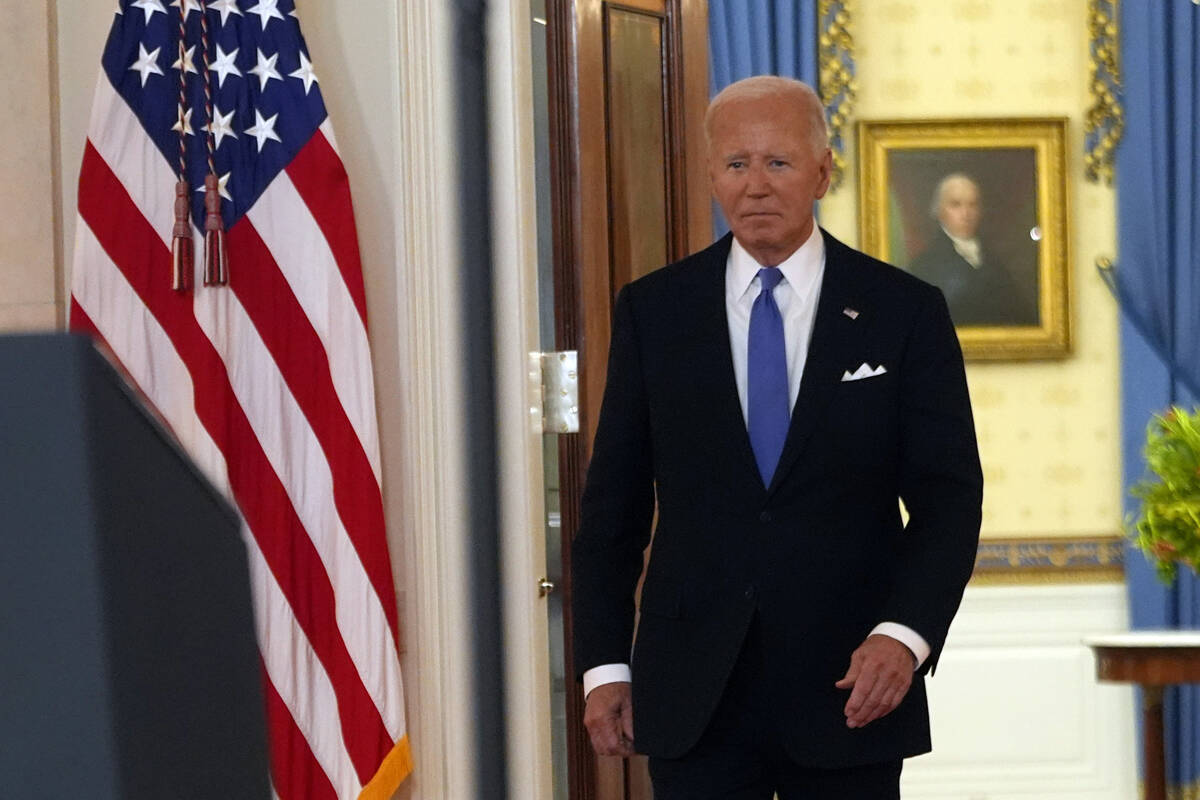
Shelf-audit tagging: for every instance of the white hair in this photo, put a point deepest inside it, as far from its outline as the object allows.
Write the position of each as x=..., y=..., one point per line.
x=788, y=89
x=935, y=208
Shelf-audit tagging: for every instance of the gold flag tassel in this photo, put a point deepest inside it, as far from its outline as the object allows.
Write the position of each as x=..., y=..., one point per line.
x=216, y=263
x=182, y=248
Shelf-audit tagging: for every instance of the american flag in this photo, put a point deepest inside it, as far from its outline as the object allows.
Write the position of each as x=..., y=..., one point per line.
x=266, y=381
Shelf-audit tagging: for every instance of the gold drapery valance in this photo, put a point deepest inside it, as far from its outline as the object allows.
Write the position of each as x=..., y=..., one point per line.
x=1105, y=120
x=838, y=88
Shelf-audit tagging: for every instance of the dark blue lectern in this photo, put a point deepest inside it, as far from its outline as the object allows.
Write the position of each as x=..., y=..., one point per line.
x=128, y=667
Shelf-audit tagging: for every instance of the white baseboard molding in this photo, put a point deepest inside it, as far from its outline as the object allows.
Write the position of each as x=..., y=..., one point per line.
x=1016, y=709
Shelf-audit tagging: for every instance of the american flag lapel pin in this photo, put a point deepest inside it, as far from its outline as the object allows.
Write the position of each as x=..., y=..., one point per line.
x=850, y=312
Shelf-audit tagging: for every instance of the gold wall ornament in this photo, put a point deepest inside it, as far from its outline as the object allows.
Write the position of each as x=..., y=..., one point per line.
x=1179, y=791
x=1050, y=559
x=1105, y=119
x=836, y=77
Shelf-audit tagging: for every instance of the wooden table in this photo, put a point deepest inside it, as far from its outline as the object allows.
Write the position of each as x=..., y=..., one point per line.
x=1153, y=659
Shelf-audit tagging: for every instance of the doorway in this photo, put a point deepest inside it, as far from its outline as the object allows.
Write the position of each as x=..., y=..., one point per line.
x=619, y=95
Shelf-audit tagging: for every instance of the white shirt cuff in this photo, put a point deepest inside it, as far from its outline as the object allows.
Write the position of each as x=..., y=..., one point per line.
x=617, y=673
x=906, y=636
x=605, y=673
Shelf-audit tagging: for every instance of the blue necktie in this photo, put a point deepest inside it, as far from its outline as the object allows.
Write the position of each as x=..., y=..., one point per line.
x=767, y=378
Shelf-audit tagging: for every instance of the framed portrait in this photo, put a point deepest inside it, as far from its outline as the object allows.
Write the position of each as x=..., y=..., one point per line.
x=979, y=209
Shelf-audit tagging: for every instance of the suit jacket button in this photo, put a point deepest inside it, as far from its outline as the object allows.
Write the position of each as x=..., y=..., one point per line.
x=749, y=592
x=764, y=516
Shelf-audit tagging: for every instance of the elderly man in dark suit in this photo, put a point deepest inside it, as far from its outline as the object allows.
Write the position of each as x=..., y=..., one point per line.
x=778, y=394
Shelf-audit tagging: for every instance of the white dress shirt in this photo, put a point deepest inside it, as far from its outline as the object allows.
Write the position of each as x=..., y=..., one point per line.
x=796, y=296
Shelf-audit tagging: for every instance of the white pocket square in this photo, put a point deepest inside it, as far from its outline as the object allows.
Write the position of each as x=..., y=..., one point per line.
x=864, y=371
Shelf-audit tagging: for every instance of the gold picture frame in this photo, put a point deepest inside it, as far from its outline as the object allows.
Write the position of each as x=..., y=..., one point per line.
x=1007, y=274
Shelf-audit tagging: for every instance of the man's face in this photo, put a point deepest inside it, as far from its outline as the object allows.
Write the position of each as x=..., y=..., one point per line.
x=765, y=175
x=959, y=208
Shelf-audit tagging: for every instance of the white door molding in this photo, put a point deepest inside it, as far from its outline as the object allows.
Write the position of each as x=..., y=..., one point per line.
x=429, y=540
x=520, y=468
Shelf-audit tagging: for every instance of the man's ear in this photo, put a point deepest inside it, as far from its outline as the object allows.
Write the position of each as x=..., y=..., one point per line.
x=826, y=170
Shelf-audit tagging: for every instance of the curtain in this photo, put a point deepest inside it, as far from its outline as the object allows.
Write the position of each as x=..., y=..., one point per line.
x=1157, y=282
x=760, y=37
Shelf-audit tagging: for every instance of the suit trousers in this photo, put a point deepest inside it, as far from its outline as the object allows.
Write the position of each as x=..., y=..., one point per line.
x=740, y=756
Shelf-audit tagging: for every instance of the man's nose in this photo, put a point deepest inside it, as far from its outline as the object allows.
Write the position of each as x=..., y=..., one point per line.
x=757, y=184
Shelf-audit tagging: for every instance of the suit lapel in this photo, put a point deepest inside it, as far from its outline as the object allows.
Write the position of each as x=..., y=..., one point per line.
x=837, y=341
x=719, y=384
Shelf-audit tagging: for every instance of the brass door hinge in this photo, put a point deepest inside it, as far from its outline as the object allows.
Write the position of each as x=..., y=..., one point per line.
x=554, y=392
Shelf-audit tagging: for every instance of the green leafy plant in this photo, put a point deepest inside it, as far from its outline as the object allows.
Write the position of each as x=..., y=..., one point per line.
x=1168, y=528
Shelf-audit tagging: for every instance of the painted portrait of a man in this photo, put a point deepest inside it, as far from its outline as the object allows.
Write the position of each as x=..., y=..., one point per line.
x=979, y=287
x=978, y=208
x=966, y=221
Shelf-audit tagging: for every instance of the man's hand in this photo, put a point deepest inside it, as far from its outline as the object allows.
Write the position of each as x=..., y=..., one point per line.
x=609, y=719
x=881, y=670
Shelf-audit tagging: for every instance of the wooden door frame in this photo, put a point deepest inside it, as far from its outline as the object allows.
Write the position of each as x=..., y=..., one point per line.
x=572, y=108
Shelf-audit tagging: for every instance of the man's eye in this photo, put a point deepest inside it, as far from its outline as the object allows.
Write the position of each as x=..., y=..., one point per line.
x=777, y=162
x=736, y=164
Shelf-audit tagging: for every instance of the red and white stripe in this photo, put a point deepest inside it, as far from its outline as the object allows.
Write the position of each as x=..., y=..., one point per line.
x=268, y=385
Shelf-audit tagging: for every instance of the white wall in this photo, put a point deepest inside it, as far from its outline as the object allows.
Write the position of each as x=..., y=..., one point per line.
x=28, y=256
x=1016, y=710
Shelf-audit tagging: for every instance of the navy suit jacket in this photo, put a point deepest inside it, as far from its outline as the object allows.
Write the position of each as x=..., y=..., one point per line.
x=821, y=555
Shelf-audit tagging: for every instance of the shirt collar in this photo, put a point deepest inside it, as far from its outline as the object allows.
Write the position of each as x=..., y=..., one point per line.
x=801, y=269
x=958, y=240
x=969, y=249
